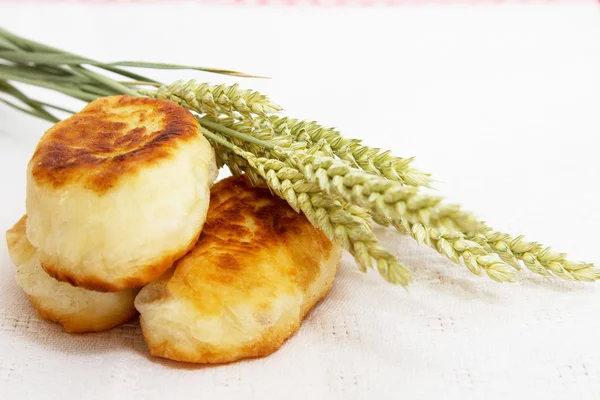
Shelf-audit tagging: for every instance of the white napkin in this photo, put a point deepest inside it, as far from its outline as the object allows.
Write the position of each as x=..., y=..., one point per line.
x=451, y=334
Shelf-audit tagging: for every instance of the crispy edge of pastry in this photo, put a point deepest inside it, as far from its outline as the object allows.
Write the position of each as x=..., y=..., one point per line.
x=143, y=276
x=110, y=138
x=22, y=253
x=97, y=155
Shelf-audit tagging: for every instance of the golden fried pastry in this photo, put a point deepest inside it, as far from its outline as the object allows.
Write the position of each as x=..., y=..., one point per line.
x=118, y=191
x=256, y=271
x=78, y=310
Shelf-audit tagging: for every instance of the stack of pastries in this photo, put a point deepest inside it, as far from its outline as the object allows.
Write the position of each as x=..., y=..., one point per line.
x=121, y=218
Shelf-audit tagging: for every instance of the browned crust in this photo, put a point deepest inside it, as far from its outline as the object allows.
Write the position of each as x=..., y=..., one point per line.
x=271, y=341
x=229, y=242
x=78, y=323
x=144, y=274
x=244, y=225
x=110, y=138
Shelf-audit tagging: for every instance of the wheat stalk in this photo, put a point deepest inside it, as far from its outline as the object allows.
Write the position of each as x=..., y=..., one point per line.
x=343, y=223
x=493, y=251
x=390, y=202
x=372, y=160
x=537, y=258
x=216, y=101
x=515, y=251
x=415, y=217
x=458, y=248
x=338, y=183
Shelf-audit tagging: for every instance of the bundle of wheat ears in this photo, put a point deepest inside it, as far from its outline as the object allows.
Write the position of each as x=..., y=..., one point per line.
x=342, y=185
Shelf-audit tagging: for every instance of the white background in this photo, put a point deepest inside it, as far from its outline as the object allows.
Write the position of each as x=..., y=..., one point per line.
x=500, y=102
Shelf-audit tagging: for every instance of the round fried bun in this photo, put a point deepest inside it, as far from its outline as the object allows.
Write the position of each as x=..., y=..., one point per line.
x=77, y=310
x=118, y=192
x=256, y=271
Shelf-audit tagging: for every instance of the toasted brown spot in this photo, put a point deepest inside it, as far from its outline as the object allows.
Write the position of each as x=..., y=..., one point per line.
x=247, y=227
x=110, y=138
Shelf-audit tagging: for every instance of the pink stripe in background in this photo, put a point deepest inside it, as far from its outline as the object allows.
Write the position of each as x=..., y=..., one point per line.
x=342, y=3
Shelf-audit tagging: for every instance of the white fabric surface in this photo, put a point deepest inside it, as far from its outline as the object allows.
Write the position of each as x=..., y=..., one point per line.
x=499, y=102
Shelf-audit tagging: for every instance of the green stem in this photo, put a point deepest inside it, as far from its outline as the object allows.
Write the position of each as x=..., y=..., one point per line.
x=24, y=57
x=230, y=132
x=139, y=64
x=65, y=110
x=78, y=94
x=32, y=46
x=49, y=54
x=7, y=44
x=216, y=138
x=105, y=81
x=9, y=89
x=42, y=72
x=98, y=91
x=49, y=68
x=140, y=83
x=127, y=74
x=43, y=115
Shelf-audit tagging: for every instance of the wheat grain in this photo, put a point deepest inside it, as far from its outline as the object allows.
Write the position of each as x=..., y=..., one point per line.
x=344, y=223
